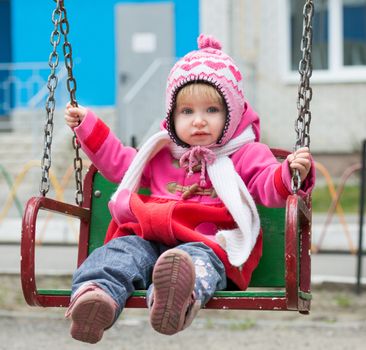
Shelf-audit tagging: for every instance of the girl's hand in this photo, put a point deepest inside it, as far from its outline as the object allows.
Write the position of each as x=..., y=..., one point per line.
x=300, y=160
x=74, y=115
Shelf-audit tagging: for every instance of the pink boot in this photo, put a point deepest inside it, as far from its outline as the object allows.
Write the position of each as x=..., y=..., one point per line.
x=92, y=311
x=173, y=295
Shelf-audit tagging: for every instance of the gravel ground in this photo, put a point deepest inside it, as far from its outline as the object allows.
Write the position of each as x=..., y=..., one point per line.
x=337, y=321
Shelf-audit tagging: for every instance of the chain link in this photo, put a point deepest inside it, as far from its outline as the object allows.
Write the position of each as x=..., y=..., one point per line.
x=61, y=26
x=50, y=103
x=305, y=92
x=71, y=87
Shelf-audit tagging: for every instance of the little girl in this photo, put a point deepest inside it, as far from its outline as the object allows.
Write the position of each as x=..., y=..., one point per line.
x=199, y=227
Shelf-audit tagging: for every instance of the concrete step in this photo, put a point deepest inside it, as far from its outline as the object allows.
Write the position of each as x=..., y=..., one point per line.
x=18, y=149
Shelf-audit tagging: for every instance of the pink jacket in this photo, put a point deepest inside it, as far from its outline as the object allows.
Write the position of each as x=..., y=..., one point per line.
x=175, y=213
x=267, y=180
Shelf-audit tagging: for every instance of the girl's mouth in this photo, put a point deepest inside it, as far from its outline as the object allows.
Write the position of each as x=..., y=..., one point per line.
x=200, y=133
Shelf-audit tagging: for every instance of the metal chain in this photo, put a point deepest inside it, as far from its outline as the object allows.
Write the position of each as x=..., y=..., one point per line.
x=305, y=92
x=50, y=103
x=71, y=87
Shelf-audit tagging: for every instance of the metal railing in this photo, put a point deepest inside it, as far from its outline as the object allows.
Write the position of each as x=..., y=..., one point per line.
x=23, y=86
x=361, y=217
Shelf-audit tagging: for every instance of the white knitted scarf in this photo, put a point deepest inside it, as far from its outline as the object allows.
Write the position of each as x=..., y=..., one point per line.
x=230, y=188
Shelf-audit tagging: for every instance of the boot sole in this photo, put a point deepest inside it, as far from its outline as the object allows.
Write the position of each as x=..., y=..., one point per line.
x=91, y=316
x=173, y=278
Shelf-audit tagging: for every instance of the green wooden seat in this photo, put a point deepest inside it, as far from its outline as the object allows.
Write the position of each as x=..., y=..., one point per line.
x=280, y=282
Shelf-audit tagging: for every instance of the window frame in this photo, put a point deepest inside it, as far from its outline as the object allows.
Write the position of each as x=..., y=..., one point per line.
x=336, y=72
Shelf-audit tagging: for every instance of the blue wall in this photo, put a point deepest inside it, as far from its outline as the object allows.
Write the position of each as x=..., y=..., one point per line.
x=92, y=38
x=5, y=46
x=5, y=31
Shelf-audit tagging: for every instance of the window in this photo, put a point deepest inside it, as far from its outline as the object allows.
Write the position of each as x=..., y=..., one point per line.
x=339, y=38
x=320, y=33
x=354, y=32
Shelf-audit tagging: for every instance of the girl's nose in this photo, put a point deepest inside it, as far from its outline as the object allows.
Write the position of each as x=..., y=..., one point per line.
x=199, y=121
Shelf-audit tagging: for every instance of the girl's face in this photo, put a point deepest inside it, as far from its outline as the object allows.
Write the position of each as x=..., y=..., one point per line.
x=199, y=119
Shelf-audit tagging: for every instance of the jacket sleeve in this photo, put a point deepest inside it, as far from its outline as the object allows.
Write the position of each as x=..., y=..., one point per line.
x=103, y=148
x=268, y=180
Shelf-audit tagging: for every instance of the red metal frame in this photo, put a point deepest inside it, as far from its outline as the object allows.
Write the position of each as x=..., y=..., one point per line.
x=83, y=247
x=297, y=213
x=305, y=217
x=27, y=266
x=297, y=276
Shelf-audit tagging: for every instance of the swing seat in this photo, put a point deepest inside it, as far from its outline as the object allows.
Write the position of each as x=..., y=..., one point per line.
x=280, y=282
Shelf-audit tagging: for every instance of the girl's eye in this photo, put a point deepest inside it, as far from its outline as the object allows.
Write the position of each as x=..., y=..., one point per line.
x=187, y=111
x=212, y=110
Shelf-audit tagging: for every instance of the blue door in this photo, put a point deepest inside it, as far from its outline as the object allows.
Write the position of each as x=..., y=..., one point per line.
x=5, y=55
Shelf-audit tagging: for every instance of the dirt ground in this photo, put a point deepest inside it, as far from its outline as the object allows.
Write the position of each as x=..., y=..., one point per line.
x=337, y=321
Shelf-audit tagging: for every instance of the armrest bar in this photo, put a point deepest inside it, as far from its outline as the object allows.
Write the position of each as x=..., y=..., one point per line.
x=297, y=248
x=305, y=244
x=291, y=252
x=27, y=266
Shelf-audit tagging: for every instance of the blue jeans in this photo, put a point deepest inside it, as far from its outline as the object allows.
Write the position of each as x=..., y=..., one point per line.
x=125, y=264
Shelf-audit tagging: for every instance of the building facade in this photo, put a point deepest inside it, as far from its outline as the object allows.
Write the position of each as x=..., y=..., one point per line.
x=265, y=35
x=123, y=50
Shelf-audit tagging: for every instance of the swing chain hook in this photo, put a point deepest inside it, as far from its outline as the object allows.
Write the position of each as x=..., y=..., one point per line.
x=50, y=102
x=71, y=87
x=305, y=92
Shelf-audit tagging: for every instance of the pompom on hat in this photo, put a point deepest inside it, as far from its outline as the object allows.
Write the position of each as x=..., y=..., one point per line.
x=208, y=65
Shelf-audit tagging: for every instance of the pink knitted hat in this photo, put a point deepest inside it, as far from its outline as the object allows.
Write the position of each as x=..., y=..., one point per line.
x=212, y=66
